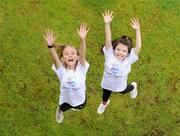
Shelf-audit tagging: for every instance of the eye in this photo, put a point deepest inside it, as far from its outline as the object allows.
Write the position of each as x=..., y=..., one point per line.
x=118, y=49
x=66, y=53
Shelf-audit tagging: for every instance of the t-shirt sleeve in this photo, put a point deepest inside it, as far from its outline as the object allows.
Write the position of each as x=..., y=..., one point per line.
x=84, y=68
x=107, y=52
x=59, y=71
x=132, y=57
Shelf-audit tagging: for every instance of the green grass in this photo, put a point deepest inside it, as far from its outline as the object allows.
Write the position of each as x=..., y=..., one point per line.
x=29, y=90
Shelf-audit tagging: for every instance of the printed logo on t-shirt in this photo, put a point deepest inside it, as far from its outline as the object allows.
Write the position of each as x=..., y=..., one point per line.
x=71, y=85
x=114, y=70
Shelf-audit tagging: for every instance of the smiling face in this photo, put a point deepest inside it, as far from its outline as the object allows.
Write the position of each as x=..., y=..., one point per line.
x=121, y=51
x=70, y=57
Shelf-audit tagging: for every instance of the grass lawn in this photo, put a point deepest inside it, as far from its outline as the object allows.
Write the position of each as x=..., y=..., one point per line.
x=29, y=89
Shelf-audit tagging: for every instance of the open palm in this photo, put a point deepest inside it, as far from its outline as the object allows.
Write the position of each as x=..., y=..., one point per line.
x=83, y=30
x=49, y=37
x=108, y=16
x=135, y=23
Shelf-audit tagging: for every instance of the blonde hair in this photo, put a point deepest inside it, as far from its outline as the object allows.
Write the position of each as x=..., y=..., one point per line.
x=60, y=48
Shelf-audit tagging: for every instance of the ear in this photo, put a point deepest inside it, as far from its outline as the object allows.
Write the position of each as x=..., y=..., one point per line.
x=77, y=57
x=62, y=59
x=127, y=54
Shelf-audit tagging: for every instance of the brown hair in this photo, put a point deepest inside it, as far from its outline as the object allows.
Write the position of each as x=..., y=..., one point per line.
x=60, y=48
x=125, y=40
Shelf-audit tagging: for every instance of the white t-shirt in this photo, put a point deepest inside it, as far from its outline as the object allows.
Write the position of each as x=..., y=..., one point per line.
x=72, y=84
x=116, y=71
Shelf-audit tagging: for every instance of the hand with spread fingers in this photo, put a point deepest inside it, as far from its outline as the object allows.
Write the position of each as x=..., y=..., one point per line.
x=82, y=31
x=136, y=26
x=49, y=37
x=135, y=23
x=108, y=16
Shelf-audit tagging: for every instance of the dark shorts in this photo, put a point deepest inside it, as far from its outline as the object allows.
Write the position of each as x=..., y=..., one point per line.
x=107, y=93
x=65, y=106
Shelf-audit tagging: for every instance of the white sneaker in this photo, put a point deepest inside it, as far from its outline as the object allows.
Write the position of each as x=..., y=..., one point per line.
x=134, y=92
x=102, y=107
x=59, y=116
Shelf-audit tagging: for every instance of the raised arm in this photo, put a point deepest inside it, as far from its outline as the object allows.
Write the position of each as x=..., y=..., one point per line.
x=136, y=25
x=108, y=16
x=49, y=37
x=82, y=33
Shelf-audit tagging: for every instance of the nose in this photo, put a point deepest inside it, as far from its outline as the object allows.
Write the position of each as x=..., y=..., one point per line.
x=120, y=52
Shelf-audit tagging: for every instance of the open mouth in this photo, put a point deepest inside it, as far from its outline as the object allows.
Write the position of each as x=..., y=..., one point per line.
x=120, y=56
x=70, y=60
